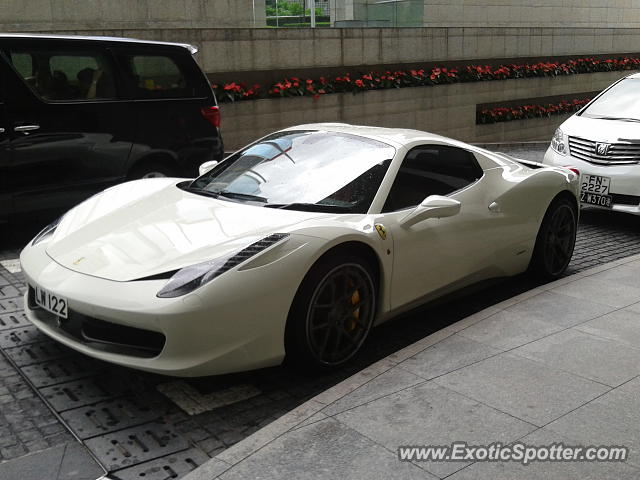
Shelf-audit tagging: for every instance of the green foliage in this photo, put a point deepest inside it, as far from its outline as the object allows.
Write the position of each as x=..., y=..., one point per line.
x=289, y=9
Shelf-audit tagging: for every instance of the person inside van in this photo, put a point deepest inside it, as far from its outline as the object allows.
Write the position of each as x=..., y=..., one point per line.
x=88, y=79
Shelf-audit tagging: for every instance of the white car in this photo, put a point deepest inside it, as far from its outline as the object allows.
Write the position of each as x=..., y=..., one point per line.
x=296, y=245
x=602, y=142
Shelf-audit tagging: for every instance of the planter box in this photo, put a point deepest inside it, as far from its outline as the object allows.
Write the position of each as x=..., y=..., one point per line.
x=445, y=109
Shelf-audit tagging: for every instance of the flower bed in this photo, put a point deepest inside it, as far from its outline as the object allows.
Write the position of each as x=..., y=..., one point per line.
x=315, y=87
x=507, y=114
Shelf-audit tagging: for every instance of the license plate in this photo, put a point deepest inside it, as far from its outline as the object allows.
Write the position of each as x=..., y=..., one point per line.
x=595, y=184
x=593, y=199
x=594, y=190
x=51, y=302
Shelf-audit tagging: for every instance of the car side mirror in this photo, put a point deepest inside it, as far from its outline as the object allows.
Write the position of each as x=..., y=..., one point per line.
x=207, y=166
x=434, y=206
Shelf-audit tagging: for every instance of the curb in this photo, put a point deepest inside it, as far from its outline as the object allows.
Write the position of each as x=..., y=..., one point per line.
x=310, y=411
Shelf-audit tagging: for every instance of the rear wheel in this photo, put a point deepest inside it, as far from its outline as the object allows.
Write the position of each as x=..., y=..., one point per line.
x=332, y=312
x=556, y=240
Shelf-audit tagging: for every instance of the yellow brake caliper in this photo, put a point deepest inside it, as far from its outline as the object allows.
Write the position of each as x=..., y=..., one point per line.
x=353, y=322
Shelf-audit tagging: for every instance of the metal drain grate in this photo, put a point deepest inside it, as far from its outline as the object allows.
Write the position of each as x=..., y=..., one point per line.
x=136, y=445
x=9, y=291
x=37, y=353
x=172, y=466
x=109, y=416
x=21, y=336
x=8, y=305
x=13, y=320
x=78, y=393
x=59, y=371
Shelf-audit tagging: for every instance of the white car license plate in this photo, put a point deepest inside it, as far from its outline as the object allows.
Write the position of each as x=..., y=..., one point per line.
x=51, y=302
x=594, y=190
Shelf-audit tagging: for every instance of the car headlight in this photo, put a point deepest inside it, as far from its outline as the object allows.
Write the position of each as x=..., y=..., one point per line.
x=557, y=142
x=46, y=232
x=188, y=279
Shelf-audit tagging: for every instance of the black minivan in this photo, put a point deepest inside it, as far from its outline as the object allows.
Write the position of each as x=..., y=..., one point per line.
x=79, y=114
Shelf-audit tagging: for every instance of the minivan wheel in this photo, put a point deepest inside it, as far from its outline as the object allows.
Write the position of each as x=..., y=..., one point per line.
x=332, y=313
x=150, y=170
x=556, y=240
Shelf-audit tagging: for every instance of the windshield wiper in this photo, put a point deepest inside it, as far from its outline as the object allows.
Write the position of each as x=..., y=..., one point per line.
x=233, y=195
x=242, y=196
x=310, y=207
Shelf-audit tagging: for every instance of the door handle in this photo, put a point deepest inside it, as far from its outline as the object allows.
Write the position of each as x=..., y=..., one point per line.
x=494, y=207
x=26, y=128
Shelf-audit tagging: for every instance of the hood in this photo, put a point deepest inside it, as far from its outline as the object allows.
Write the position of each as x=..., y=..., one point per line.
x=598, y=130
x=147, y=227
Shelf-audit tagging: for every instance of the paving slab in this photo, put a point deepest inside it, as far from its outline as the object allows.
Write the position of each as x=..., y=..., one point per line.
x=451, y=354
x=612, y=419
x=525, y=389
x=605, y=361
x=509, y=329
x=600, y=290
x=433, y=415
x=70, y=461
x=389, y=382
x=325, y=450
x=562, y=310
x=622, y=326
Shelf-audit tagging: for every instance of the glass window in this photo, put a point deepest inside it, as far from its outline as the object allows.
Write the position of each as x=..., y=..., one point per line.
x=305, y=170
x=622, y=101
x=157, y=76
x=431, y=170
x=62, y=76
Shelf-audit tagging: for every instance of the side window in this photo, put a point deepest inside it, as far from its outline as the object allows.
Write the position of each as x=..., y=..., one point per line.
x=57, y=75
x=431, y=170
x=159, y=76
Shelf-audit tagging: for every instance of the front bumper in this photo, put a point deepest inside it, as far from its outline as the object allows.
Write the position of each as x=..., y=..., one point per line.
x=625, y=180
x=233, y=324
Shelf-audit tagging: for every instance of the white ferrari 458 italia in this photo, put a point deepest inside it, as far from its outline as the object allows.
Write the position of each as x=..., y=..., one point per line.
x=296, y=245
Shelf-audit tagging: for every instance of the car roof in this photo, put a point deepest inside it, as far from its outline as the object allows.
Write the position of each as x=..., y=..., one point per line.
x=191, y=48
x=398, y=136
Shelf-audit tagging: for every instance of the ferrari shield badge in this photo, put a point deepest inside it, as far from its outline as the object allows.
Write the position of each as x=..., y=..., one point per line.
x=381, y=231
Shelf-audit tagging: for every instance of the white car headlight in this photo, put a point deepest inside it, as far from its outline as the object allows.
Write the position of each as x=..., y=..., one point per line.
x=190, y=278
x=558, y=143
x=46, y=232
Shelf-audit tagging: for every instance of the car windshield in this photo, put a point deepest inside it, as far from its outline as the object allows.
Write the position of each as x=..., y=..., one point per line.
x=620, y=102
x=302, y=170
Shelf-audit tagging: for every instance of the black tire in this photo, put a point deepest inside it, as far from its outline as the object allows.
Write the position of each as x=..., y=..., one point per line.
x=327, y=323
x=556, y=240
x=151, y=170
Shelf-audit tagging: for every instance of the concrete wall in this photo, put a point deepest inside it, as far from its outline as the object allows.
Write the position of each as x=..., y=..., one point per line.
x=237, y=50
x=542, y=13
x=445, y=109
x=47, y=15
x=524, y=13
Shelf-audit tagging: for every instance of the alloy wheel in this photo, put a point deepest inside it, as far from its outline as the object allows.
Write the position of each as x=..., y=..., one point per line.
x=340, y=314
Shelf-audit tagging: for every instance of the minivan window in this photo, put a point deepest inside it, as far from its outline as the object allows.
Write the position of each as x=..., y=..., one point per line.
x=620, y=102
x=56, y=75
x=160, y=76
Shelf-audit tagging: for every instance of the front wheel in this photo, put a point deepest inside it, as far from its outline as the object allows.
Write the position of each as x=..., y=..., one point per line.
x=556, y=240
x=332, y=312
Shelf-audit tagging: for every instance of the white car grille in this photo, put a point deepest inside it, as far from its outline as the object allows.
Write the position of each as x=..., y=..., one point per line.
x=602, y=153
